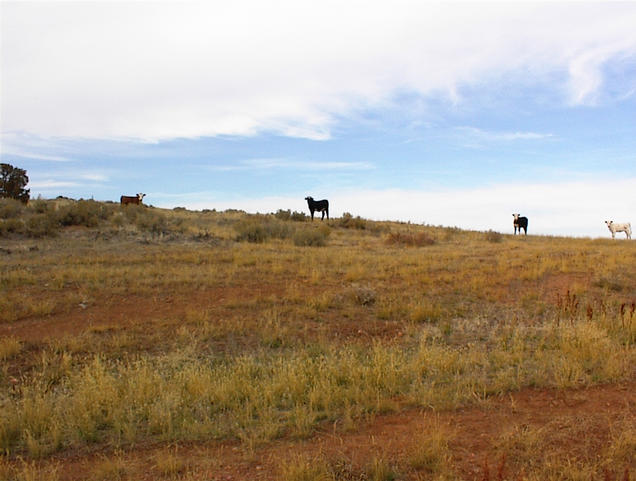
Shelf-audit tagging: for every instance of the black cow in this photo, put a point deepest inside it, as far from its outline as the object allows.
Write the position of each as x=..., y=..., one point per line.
x=318, y=205
x=520, y=223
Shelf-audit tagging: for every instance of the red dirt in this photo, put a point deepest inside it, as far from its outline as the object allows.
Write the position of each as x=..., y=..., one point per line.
x=476, y=432
x=578, y=423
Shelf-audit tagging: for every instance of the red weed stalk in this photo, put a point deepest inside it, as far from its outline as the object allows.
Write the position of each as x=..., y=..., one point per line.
x=486, y=475
x=500, y=468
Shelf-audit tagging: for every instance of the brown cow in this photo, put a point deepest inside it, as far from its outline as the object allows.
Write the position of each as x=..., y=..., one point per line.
x=126, y=199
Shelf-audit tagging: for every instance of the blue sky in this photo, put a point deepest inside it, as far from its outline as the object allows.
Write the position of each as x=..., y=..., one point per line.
x=446, y=113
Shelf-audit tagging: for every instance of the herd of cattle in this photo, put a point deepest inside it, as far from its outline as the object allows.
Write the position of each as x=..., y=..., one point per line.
x=518, y=222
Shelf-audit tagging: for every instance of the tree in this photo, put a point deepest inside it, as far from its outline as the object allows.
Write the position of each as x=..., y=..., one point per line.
x=12, y=183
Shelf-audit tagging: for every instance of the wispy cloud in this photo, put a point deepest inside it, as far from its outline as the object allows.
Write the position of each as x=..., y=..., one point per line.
x=9, y=152
x=498, y=136
x=50, y=184
x=281, y=163
x=47, y=182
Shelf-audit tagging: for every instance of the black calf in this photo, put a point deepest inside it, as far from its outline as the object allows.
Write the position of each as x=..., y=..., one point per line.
x=520, y=223
x=318, y=205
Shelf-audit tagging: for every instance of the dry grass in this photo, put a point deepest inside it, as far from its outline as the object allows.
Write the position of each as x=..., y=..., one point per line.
x=252, y=341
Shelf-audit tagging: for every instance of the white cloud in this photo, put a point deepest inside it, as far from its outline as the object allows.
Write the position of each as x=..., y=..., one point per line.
x=50, y=183
x=281, y=163
x=474, y=133
x=180, y=69
x=16, y=152
x=571, y=208
x=47, y=185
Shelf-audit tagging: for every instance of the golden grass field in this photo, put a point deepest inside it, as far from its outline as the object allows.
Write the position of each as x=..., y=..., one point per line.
x=142, y=343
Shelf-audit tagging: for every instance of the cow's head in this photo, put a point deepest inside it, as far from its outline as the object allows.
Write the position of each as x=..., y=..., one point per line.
x=141, y=197
x=609, y=222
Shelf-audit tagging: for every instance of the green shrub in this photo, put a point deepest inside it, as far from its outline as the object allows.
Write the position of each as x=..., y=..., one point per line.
x=311, y=237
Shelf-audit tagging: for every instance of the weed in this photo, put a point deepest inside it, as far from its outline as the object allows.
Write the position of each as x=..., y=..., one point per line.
x=379, y=469
x=302, y=469
x=430, y=451
x=169, y=463
x=110, y=468
x=9, y=347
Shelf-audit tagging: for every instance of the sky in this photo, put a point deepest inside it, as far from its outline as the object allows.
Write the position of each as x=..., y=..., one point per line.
x=455, y=113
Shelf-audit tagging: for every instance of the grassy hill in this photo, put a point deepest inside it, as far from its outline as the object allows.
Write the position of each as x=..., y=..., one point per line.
x=123, y=327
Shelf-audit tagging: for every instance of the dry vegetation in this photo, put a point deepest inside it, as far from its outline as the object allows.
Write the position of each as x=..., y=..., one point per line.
x=125, y=331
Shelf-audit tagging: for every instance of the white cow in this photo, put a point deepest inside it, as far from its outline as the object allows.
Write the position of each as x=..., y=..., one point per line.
x=624, y=227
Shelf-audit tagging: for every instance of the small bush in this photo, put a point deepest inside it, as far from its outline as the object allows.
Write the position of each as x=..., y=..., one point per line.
x=11, y=208
x=409, y=239
x=250, y=231
x=298, y=216
x=258, y=228
x=278, y=230
x=40, y=206
x=11, y=226
x=311, y=237
x=42, y=225
x=493, y=236
x=286, y=215
x=150, y=221
x=87, y=213
x=362, y=295
x=349, y=222
x=283, y=214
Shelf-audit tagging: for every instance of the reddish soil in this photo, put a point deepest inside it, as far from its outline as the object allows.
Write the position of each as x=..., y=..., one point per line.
x=153, y=314
x=577, y=425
